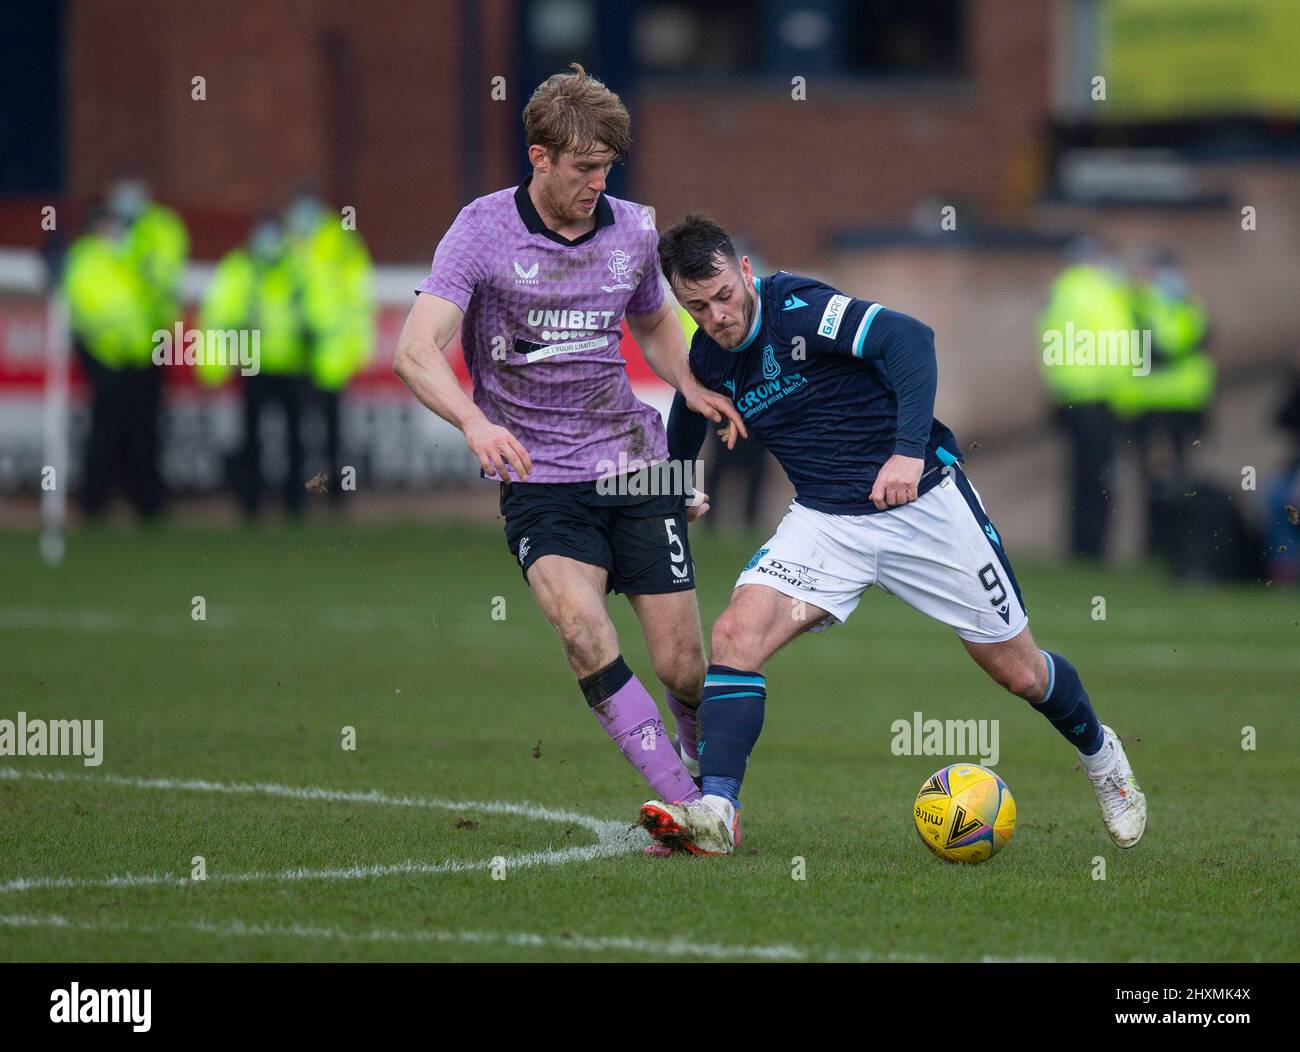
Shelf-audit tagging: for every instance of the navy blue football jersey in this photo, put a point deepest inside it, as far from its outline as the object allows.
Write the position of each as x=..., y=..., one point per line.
x=833, y=386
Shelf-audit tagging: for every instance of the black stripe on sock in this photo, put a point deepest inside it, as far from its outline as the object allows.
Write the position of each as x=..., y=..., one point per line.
x=600, y=686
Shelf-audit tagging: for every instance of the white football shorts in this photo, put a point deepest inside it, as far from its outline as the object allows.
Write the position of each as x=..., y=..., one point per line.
x=940, y=554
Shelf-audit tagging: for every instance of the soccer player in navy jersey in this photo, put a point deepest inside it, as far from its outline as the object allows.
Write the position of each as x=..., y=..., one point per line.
x=841, y=390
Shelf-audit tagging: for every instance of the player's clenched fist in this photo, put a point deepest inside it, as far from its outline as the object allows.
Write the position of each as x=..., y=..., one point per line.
x=897, y=481
x=496, y=448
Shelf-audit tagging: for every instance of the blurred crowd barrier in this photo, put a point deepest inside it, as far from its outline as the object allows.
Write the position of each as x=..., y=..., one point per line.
x=392, y=441
x=982, y=299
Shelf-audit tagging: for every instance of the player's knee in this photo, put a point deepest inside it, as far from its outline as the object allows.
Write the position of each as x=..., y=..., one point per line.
x=589, y=643
x=730, y=645
x=684, y=676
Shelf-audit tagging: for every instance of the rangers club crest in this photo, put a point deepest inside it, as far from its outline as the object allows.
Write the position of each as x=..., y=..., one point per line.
x=620, y=267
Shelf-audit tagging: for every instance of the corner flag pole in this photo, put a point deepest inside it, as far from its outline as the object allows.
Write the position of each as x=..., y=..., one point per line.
x=54, y=438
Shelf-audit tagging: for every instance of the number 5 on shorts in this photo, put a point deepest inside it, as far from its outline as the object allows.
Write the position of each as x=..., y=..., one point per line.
x=676, y=551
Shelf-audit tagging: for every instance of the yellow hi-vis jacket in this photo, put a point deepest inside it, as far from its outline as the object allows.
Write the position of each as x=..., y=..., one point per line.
x=1089, y=311
x=107, y=303
x=261, y=296
x=157, y=245
x=1182, y=375
x=687, y=322
x=335, y=280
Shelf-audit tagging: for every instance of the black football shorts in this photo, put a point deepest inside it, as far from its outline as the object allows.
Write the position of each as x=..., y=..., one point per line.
x=641, y=541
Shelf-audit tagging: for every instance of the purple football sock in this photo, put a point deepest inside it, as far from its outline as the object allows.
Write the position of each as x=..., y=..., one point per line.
x=631, y=719
x=688, y=725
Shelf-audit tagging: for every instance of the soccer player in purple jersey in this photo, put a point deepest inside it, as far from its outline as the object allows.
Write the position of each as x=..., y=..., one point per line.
x=539, y=278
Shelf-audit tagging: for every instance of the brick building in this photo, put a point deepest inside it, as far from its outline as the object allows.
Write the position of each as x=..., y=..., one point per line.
x=389, y=105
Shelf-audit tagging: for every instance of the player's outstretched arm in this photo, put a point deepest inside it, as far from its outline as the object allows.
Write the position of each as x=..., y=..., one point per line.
x=423, y=368
x=661, y=341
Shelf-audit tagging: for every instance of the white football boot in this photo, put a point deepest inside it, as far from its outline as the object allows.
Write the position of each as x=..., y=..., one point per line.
x=1123, y=804
x=707, y=826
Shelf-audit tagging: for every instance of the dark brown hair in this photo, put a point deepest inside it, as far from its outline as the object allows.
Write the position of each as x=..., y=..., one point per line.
x=695, y=248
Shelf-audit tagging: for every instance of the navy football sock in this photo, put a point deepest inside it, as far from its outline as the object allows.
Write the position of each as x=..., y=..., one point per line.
x=1067, y=706
x=731, y=719
x=716, y=785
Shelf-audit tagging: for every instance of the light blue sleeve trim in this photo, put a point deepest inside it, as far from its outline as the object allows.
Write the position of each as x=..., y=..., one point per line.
x=864, y=325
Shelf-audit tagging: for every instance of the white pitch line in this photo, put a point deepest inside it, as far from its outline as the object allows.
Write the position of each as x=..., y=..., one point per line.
x=371, y=796
x=675, y=947
x=612, y=838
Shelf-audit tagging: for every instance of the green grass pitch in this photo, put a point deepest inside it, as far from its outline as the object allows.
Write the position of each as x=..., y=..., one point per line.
x=390, y=630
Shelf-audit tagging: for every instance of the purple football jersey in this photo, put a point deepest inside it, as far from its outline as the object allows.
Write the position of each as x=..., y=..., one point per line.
x=541, y=329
